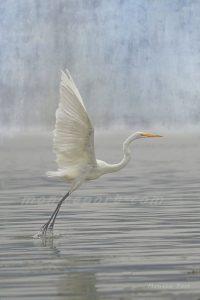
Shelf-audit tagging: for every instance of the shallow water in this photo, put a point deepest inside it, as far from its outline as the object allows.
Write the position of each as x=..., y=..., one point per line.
x=131, y=235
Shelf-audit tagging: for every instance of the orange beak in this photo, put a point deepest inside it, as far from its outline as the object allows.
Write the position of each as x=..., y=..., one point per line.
x=150, y=135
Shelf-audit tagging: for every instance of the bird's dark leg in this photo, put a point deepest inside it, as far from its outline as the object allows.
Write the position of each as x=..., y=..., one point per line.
x=51, y=225
x=51, y=221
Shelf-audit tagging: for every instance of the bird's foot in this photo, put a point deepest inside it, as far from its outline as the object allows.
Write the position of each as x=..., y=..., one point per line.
x=46, y=231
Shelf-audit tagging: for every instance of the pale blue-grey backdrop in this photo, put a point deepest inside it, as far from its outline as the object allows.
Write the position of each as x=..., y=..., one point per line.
x=136, y=62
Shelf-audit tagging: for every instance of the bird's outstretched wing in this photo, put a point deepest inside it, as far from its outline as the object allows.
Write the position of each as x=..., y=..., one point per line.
x=74, y=133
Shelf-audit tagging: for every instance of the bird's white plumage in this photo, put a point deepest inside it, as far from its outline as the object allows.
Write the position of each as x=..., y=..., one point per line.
x=74, y=139
x=74, y=133
x=74, y=144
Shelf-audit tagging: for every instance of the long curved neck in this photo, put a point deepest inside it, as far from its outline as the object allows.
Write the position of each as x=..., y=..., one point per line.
x=127, y=154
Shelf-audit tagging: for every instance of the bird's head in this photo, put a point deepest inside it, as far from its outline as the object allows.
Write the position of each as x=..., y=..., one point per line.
x=141, y=134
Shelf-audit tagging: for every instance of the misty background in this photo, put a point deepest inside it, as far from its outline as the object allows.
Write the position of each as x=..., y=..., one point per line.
x=135, y=62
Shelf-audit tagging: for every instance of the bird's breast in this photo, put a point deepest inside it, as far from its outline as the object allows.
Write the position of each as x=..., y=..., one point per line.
x=93, y=174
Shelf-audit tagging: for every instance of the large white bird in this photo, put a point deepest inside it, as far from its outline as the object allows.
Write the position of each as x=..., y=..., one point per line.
x=74, y=144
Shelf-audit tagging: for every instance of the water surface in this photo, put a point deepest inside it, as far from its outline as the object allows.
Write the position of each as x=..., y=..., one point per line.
x=129, y=235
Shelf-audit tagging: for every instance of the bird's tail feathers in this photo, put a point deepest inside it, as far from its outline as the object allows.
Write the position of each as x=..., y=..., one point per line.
x=55, y=174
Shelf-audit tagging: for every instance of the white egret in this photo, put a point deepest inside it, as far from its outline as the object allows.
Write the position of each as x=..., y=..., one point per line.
x=74, y=144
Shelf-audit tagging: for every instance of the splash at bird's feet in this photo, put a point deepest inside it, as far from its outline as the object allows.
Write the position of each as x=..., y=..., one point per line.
x=46, y=231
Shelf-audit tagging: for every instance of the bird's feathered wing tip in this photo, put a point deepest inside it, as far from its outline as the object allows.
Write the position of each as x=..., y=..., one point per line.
x=68, y=83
